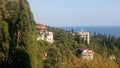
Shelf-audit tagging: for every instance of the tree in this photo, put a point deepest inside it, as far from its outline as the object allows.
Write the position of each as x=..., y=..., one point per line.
x=16, y=21
x=54, y=58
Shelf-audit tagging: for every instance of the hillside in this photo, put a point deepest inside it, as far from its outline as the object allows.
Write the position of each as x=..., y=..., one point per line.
x=20, y=49
x=66, y=45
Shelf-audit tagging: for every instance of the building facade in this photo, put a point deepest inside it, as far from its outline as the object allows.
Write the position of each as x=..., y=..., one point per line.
x=85, y=36
x=85, y=53
x=49, y=37
x=43, y=34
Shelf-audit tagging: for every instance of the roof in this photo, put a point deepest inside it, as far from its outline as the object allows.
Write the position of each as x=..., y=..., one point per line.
x=40, y=27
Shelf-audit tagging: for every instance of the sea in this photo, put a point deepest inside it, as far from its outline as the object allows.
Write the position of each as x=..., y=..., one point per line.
x=104, y=30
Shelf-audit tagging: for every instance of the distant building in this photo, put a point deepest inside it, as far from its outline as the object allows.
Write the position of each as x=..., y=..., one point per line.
x=41, y=29
x=85, y=53
x=85, y=36
x=72, y=33
x=43, y=34
x=49, y=37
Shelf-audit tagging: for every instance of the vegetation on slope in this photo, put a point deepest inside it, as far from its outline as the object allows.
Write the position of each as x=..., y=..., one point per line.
x=19, y=48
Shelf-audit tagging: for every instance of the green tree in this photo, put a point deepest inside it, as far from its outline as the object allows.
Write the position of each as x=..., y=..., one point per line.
x=16, y=21
x=54, y=58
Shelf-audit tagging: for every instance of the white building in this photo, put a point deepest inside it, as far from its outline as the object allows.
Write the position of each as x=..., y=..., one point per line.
x=86, y=53
x=43, y=34
x=85, y=36
x=49, y=37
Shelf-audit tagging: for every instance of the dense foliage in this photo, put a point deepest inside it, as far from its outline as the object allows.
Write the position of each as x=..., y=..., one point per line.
x=19, y=48
x=103, y=46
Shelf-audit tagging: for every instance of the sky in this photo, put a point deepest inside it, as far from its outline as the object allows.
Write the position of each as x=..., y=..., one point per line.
x=76, y=12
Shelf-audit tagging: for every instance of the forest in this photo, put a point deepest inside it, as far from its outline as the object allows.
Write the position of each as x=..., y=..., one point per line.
x=19, y=48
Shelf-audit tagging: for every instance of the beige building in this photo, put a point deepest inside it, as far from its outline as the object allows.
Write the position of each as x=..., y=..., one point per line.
x=43, y=34
x=85, y=36
x=86, y=53
x=49, y=37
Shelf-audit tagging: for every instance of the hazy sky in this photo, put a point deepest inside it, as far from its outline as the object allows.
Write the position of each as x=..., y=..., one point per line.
x=76, y=12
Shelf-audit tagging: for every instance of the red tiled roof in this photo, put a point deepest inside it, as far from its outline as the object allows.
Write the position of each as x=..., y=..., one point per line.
x=40, y=27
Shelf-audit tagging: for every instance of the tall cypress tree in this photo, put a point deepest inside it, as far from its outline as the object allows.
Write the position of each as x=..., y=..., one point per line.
x=16, y=21
x=28, y=34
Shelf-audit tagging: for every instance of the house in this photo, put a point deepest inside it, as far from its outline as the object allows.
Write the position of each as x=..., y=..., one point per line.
x=72, y=33
x=41, y=29
x=85, y=53
x=49, y=37
x=43, y=34
x=85, y=36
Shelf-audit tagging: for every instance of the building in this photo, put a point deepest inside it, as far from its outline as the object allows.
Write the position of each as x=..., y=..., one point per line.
x=85, y=36
x=41, y=29
x=85, y=53
x=49, y=37
x=43, y=34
